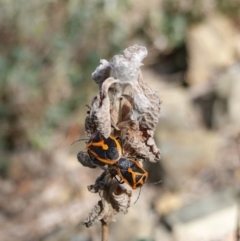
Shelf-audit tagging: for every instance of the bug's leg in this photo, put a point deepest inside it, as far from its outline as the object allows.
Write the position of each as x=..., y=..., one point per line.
x=119, y=181
x=99, y=184
x=114, y=173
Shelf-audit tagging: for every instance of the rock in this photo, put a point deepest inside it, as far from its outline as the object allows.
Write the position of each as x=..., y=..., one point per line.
x=211, y=44
x=168, y=202
x=187, y=151
x=212, y=218
x=234, y=96
x=139, y=222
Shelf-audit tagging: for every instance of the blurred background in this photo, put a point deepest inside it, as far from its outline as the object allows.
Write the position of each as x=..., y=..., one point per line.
x=48, y=50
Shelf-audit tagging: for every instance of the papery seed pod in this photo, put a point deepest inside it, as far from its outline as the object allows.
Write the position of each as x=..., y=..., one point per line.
x=151, y=143
x=121, y=198
x=146, y=103
x=100, y=109
x=95, y=215
x=150, y=117
x=90, y=126
x=102, y=72
x=138, y=143
x=126, y=110
x=134, y=145
x=125, y=67
x=114, y=199
x=100, y=113
x=114, y=111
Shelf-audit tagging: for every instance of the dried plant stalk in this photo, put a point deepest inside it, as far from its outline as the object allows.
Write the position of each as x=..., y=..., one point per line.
x=127, y=108
x=104, y=231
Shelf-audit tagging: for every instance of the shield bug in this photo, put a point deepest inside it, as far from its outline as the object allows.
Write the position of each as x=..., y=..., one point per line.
x=131, y=172
x=106, y=150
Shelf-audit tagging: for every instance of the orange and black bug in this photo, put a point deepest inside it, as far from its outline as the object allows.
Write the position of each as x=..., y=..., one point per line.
x=131, y=172
x=106, y=150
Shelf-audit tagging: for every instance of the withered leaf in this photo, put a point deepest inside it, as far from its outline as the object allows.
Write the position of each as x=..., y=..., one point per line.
x=114, y=199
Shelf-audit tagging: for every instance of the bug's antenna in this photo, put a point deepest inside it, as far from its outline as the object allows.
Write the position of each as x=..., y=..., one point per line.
x=138, y=195
x=155, y=183
x=79, y=140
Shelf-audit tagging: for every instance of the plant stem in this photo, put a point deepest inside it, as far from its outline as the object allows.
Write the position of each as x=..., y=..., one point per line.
x=104, y=231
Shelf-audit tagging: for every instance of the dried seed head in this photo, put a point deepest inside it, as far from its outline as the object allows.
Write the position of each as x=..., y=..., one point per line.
x=125, y=72
x=125, y=107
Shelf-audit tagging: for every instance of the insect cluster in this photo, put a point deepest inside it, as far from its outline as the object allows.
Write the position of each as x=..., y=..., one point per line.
x=120, y=125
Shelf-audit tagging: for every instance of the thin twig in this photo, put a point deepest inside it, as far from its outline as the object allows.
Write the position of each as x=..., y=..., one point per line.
x=238, y=206
x=104, y=231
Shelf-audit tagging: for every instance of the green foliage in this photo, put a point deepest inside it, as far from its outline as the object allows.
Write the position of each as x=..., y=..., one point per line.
x=175, y=27
x=46, y=44
x=179, y=15
x=4, y=166
x=231, y=8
